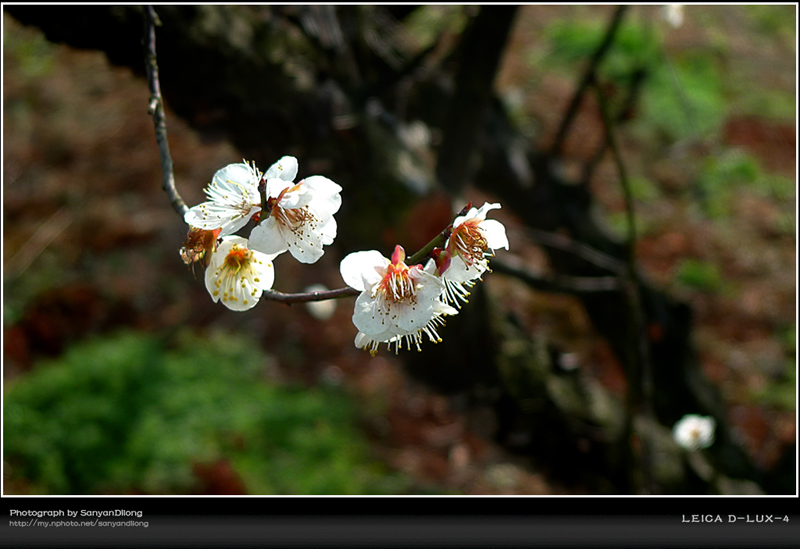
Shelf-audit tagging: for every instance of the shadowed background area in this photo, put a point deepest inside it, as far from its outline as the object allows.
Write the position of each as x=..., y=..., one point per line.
x=122, y=376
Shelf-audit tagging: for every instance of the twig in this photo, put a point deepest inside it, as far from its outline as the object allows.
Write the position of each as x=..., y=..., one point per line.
x=641, y=356
x=559, y=284
x=156, y=110
x=305, y=297
x=623, y=177
x=479, y=53
x=637, y=78
x=585, y=252
x=586, y=80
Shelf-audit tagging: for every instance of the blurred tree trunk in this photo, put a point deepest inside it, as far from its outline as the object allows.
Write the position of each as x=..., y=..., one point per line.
x=322, y=83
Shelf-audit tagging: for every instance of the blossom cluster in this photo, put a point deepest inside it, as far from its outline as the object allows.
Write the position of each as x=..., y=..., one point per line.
x=399, y=304
x=298, y=219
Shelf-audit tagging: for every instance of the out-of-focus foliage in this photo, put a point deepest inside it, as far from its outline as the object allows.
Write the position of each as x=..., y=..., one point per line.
x=684, y=99
x=681, y=99
x=575, y=41
x=35, y=55
x=782, y=392
x=124, y=415
x=724, y=174
x=699, y=275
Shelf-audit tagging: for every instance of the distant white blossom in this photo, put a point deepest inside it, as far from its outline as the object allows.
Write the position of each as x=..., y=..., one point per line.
x=673, y=13
x=694, y=432
x=321, y=310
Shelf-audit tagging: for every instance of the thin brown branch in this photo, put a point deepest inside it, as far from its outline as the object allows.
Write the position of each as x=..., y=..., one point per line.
x=586, y=80
x=156, y=110
x=579, y=249
x=641, y=380
x=305, y=297
x=634, y=87
x=558, y=284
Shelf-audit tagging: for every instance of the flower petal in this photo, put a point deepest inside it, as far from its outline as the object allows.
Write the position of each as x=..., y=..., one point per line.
x=326, y=197
x=285, y=168
x=360, y=270
x=267, y=239
x=460, y=271
x=369, y=316
x=495, y=234
x=239, y=287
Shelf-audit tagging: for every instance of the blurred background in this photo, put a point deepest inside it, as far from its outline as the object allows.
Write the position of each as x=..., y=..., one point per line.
x=573, y=360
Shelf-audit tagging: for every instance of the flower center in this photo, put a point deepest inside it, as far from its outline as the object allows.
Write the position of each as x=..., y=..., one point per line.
x=469, y=242
x=237, y=258
x=294, y=218
x=397, y=285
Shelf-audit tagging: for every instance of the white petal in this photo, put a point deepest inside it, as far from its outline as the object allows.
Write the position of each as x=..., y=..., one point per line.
x=359, y=270
x=368, y=315
x=460, y=271
x=483, y=210
x=211, y=215
x=276, y=185
x=495, y=234
x=327, y=231
x=267, y=238
x=242, y=289
x=236, y=174
x=305, y=246
x=479, y=213
x=414, y=316
x=326, y=195
x=285, y=168
x=297, y=197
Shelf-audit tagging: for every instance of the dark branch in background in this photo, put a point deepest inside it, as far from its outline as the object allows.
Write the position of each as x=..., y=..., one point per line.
x=578, y=249
x=156, y=110
x=634, y=87
x=498, y=31
x=479, y=58
x=558, y=284
x=586, y=80
x=641, y=385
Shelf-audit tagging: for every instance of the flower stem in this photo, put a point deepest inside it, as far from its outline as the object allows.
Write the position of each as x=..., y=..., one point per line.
x=428, y=248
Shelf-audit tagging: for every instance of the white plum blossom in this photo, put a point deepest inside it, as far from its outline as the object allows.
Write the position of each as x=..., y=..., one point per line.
x=397, y=303
x=398, y=337
x=238, y=275
x=233, y=199
x=299, y=216
x=472, y=242
x=673, y=13
x=694, y=431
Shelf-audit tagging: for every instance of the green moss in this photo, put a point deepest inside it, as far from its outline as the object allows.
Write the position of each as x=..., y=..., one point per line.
x=699, y=275
x=125, y=414
x=723, y=174
x=684, y=98
x=33, y=56
x=572, y=42
x=782, y=392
